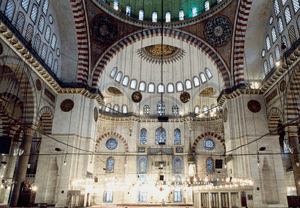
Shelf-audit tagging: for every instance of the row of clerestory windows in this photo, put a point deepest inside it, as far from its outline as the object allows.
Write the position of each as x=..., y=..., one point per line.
x=160, y=136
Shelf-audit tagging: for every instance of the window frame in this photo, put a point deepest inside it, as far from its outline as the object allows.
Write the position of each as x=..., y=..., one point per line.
x=115, y=73
x=170, y=84
x=152, y=84
x=133, y=82
x=142, y=82
x=126, y=107
x=204, y=78
x=127, y=78
x=181, y=86
x=163, y=88
x=191, y=85
x=141, y=15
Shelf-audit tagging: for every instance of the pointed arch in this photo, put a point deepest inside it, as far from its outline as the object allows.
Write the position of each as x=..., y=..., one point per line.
x=177, y=34
x=45, y=119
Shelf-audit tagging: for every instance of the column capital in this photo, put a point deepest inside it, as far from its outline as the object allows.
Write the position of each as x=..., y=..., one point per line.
x=29, y=130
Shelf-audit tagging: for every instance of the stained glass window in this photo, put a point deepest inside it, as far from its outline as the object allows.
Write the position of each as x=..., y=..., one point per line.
x=288, y=16
x=175, y=110
x=154, y=17
x=276, y=7
x=170, y=87
x=209, y=144
x=168, y=16
x=181, y=14
x=160, y=136
x=142, y=86
x=274, y=36
x=280, y=25
x=20, y=22
x=142, y=165
x=277, y=53
x=296, y=5
x=177, y=195
x=108, y=196
x=10, y=9
x=34, y=12
x=116, y=4
x=25, y=4
x=146, y=109
x=142, y=196
x=143, y=139
x=125, y=81
x=160, y=108
x=206, y=5
x=177, y=137
x=160, y=88
x=194, y=11
x=128, y=10
x=113, y=72
x=177, y=165
x=141, y=14
x=111, y=144
x=196, y=81
x=110, y=165
x=210, y=165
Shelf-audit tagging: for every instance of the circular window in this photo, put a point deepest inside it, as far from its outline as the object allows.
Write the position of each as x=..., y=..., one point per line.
x=209, y=144
x=111, y=144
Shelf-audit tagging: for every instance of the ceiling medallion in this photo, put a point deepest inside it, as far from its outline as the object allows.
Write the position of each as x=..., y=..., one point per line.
x=95, y=114
x=104, y=29
x=136, y=97
x=161, y=52
x=114, y=91
x=67, y=105
x=208, y=91
x=254, y=106
x=185, y=97
x=218, y=31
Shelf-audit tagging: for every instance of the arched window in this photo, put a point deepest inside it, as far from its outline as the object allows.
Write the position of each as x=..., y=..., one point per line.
x=168, y=16
x=263, y=53
x=29, y=33
x=47, y=33
x=203, y=78
x=25, y=4
x=113, y=72
x=170, y=87
x=116, y=4
x=141, y=15
x=160, y=136
x=277, y=53
x=179, y=86
x=205, y=109
x=53, y=41
x=34, y=13
x=37, y=43
x=128, y=10
x=177, y=195
x=194, y=11
x=274, y=36
x=177, y=165
x=160, y=108
x=55, y=66
x=44, y=51
x=188, y=84
x=206, y=5
x=142, y=86
x=284, y=41
x=160, y=88
x=271, y=20
x=292, y=35
x=10, y=9
x=20, y=22
x=125, y=81
x=107, y=109
x=276, y=7
x=119, y=76
x=196, y=81
x=50, y=19
x=146, y=110
x=175, y=110
x=124, y=109
x=280, y=25
x=210, y=165
x=283, y=2
x=208, y=73
x=133, y=84
x=268, y=43
x=143, y=165
x=271, y=60
x=116, y=108
x=219, y=1
x=50, y=59
x=181, y=14
x=266, y=67
x=154, y=17
x=197, y=110
x=213, y=107
x=110, y=165
x=287, y=14
x=143, y=138
x=151, y=87
x=45, y=7
x=108, y=194
x=177, y=137
x=296, y=5
x=41, y=24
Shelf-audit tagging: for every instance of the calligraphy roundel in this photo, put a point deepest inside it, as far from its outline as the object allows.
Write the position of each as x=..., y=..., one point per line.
x=185, y=97
x=218, y=31
x=104, y=29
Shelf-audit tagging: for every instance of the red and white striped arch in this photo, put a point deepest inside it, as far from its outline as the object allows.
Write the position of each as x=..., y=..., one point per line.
x=207, y=134
x=180, y=35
